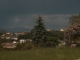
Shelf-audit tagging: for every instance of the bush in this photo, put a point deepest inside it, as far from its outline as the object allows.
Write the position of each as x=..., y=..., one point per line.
x=29, y=46
x=19, y=46
x=49, y=44
x=26, y=46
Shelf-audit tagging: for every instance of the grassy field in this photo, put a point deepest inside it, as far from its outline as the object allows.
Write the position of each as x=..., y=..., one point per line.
x=42, y=54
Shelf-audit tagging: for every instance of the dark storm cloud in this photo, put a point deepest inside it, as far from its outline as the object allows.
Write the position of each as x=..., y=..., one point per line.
x=12, y=7
x=22, y=13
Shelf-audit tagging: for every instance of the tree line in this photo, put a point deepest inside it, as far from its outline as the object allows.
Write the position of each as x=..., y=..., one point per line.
x=43, y=38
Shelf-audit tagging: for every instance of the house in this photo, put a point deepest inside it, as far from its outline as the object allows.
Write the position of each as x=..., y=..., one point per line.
x=14, y=42
x=8, y=37
x=2, y=36
x=8, y=33
x=8, y=45
x=61, y=30
x=29, y=40
x=22, y=41
x=21, y=33
x=14, y=38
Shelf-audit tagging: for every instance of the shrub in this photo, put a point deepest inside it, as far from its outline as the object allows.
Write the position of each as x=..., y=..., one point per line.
x=29, y=46
x=50, y=44
x=19, y=46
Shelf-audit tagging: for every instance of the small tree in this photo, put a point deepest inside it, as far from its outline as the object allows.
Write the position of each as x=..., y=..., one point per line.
x=39, y=32
x=74, y=19
x=74, y=29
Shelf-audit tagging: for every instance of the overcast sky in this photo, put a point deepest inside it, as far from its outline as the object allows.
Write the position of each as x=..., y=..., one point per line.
x=22, y=14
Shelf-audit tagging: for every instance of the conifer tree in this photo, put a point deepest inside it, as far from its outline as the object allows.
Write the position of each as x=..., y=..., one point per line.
x=39, y=32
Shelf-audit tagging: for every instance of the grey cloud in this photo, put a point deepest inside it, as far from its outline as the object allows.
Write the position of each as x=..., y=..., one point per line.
x=56, y=21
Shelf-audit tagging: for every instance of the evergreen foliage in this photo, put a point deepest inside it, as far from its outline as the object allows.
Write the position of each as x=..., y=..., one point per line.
x=39, y=32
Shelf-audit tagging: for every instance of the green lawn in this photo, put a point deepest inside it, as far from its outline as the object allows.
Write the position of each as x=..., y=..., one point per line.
x=42, y=54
